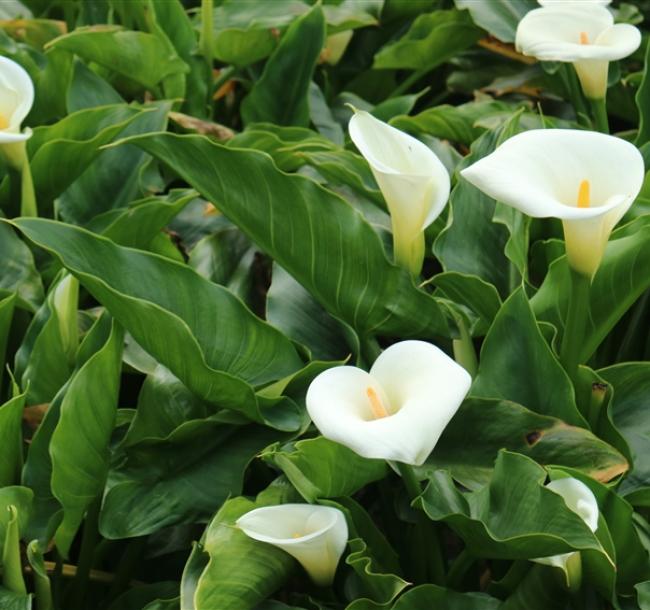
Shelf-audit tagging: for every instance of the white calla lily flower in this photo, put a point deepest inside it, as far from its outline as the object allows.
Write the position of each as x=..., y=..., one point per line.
x=16, y=100
x=414, y=182
x=581, y=500
x=315, y=536
x=584, y=35
x=586, y=179
x=577, y=3
x=398, y=410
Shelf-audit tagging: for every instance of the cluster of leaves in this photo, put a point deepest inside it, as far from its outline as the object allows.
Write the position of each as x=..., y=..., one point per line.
x=193, y=173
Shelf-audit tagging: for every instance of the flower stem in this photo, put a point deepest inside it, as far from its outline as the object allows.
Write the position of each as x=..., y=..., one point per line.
x=432, y=558
x=85, y=563
x=206, y=42
x=599, y=110
x=408, y=82
x=28, y=196
x=576, y=322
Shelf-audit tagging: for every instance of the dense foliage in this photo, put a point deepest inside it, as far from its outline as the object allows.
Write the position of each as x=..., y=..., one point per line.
x=203, y=240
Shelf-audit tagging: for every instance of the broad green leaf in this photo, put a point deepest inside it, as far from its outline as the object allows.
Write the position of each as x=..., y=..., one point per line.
x=7, y=306
x=20, y=498
x=14, y=601
x=181, y=330
x=11, y=433
x=513, y=517
x=432, y=39
x=97, y=190
x=281, y=93
x=643, y=104
x=88, y=89
x=315, y=235
x=620, y=280
x=426, y=597
x=19, y=273
x=291, y=309
x=195, y=468
x=506, y=425
x=139, y=56
x=630, y=412
x=541, y=588
x=517, y=364
x=80, y=443
x=139, y=598
x=320, y=468
x=241, y=572
x=455, y=123
x=499, y=17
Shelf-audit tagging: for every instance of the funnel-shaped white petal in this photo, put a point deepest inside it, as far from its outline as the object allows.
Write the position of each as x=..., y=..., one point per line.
x=575, y=3
x=314, y=535
x=581, y=500
x=416, y=389
x=540, y=172
x=581, y=33
x=16, y=99
x=412, y=179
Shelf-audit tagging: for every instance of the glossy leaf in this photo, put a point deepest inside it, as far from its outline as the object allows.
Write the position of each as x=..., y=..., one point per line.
x=500, y=18
x=11, y=448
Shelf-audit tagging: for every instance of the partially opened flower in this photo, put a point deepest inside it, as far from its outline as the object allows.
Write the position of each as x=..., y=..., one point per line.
x=412, y=179
x=314, y=535
x=583, y=34
x=586, y=179
x=16, y=99
x=581, y=500
x=398, y=410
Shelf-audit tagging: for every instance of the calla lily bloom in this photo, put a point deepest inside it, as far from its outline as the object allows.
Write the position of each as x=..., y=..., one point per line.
x=583, y=34
x=398, y=410
x=586, y=179
x=412, y=179
x=16, y=100
x=580, y=3
x=314, y=535
x=581, y=500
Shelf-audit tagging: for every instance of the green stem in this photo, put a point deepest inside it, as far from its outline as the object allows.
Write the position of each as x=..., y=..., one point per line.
x=430, y=551
x=596, y=401
x=28, y=205
x=599, y=110
x=85, y=563
x=207, y=29
x=576, y=322
x=464, y=352
x=459, y=568
x=408, y=82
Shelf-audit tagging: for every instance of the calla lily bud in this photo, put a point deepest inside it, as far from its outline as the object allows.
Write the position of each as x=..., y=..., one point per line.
x=579, y=499
x=398, y=410
x=412, y=179
x=16, y=100
x=586, y=179
x=314, y=535
x=582, y=33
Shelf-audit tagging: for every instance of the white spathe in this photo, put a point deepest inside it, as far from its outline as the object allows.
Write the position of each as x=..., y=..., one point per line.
x=579, y=3
x=581, y=500
x=541, y=172
x=416, y=390
x=16, y=100
x=412, y=179
x=583, y=34
x=314, y=535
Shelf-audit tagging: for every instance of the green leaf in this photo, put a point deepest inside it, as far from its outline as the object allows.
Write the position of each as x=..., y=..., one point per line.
x=169, y=310
x=12, y=571
x=643, y=104
x=517, y=364
x=88, y=89
x=139, y=56
x=241, y=572
x=455, y=123
x=21, y=499
x=513, y=517
x=499, y=17
x=426, y=597
x=315, y=235
x=432, y=39
x=506, y=425
x=621, y=279
x=11, y=433
x=281, y=93
x=80, y=443
x=195, y=467
x=7, y=306
x=14, y=601
x=19, y=273
x=320, y=468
